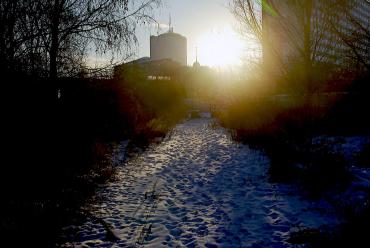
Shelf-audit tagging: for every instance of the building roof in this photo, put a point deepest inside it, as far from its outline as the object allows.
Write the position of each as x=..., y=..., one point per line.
x=140, y=60
x=169, y=34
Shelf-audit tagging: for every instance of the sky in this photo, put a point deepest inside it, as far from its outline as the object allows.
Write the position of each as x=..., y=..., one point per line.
x=207, y=24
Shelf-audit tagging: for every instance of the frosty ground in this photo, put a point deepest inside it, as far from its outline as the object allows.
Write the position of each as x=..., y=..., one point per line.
x=197, y=188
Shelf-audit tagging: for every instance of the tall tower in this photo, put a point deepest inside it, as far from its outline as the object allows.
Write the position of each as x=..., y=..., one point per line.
x=196, y=54
x=196, y=63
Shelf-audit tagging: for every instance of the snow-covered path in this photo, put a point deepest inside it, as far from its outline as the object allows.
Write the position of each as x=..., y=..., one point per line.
x=198, y=188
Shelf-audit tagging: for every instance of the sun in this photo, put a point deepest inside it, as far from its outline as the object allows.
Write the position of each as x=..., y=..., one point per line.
x=220, y=48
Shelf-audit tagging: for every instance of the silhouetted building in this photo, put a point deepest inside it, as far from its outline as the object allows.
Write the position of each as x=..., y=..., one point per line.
x=164, y=69
x=169, y=45
x=168, y=56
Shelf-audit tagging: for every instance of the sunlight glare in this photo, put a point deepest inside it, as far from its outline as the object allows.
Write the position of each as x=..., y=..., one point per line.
x=220, y=48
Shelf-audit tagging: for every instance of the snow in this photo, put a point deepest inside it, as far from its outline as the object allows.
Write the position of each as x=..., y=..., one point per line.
x=197, y=188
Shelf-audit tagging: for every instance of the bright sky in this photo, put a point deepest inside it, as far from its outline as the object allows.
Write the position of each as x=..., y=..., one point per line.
x=207, y=24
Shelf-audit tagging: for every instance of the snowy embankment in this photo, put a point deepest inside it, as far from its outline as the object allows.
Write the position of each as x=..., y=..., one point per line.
x=197, y=188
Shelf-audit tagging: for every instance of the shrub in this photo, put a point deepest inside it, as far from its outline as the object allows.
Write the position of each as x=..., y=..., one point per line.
x=363, y=158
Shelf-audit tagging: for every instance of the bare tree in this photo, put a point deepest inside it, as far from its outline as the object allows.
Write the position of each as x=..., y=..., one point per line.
x=356, y=34
x=249, y=15
x=288, y=31
x=56, y=35
x=99, y=24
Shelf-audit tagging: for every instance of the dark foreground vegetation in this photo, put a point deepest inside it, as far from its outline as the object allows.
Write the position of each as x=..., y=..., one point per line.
x=294, y=130
x=60, y=111
x=58, y=133
x=306, y=104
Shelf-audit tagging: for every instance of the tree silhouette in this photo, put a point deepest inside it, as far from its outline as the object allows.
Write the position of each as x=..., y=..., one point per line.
x=52, y=38
x=358, y=39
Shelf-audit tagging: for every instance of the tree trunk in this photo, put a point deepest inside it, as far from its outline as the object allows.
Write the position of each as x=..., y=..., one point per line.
x=54, y=39
x=307, y=45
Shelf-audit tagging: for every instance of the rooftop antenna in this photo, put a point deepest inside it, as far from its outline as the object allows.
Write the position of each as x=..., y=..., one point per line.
x=170, y=30
x=196, y=54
